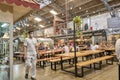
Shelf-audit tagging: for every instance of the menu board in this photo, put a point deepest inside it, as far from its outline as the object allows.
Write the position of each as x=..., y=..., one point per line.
x=113, y=22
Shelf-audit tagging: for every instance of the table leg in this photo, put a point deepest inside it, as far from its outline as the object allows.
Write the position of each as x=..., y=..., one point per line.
x=61, y=62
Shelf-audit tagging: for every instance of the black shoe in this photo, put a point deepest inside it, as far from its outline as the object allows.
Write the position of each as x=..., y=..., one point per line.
x=26, y=76
x=33, y=78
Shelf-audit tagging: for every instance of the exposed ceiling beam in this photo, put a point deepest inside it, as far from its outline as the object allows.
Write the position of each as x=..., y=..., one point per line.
x=31, y=11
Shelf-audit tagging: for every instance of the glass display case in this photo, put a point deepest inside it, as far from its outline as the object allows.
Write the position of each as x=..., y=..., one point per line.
x=4, y=51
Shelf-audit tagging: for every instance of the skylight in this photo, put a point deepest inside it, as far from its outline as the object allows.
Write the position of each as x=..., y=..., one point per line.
x=43, y=3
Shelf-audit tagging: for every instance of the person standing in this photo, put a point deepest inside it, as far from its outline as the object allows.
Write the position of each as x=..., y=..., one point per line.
x=30, y=49
x=117, y=49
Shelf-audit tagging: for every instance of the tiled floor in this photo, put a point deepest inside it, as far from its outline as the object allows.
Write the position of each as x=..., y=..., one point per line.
x=108, y=72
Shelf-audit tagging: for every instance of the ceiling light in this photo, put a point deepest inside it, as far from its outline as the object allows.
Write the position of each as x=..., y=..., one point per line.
x=37, y=19
x=80, y=8
x=41, y=26
x=71, y=8
x=93, y=11
x=53, y=12
x=49, y=22
x=26, y=24
x=4, y=25
x=18, y=28
x=86, y=11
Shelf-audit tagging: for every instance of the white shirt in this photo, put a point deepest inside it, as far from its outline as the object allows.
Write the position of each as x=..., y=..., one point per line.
x=66, y=49
x=30, y=43
x=96, y=47
x=117, y=49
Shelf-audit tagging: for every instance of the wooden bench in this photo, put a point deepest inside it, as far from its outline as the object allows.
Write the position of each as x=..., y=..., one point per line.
x=43, y=60
x=94, y=62
x=55, y=61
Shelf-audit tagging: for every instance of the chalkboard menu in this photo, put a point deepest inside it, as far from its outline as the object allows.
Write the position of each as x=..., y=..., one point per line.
x=113, y=22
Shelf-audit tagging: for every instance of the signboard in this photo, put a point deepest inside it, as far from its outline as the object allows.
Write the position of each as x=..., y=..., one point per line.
x=113, y=31
x=113, y=22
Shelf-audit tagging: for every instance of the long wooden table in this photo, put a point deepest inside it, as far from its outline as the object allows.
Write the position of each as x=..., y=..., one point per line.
x=110, y=50
x=78, y=54
x=81, y=54
x=51, y=51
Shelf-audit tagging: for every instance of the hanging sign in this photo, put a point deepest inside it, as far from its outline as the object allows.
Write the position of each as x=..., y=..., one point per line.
x=113, y=31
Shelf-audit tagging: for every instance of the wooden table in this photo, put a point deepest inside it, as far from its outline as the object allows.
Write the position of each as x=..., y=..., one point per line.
x=110, y=50
x=81, y=54
x=78, y=54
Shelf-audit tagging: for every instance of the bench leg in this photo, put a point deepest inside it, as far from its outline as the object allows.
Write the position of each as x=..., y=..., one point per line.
x=69, y=61
x=61, y=62
x=83, y=58
x=40, y=63
x=99, y=64
x=43, y=64
x=82, y=72
x=51, y=66
x=55, y=66
x=108, y=61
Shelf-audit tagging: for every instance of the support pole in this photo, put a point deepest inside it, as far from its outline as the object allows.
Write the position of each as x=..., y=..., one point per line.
x=75, y=58
x=118, y=71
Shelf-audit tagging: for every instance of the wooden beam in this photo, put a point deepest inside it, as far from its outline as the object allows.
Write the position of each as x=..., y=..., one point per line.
x=23, y=16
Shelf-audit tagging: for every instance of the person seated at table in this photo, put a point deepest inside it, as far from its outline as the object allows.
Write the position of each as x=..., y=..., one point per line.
x=96, y=46
x=109, y=45
x=102, y=46
x=66, y=48
x=55, y=46
x=41, y=47
x=88, y=46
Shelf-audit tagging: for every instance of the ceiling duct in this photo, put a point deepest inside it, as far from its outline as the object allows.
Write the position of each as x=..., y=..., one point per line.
x=113, y=12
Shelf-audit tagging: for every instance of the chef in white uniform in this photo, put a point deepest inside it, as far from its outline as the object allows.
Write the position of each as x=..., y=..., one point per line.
x=117, y=49
x=30, y=46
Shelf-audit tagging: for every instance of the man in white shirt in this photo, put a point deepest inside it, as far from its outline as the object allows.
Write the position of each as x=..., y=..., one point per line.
x=96, y=46
x=66, y=48
x=117, y=49
x=30, y=49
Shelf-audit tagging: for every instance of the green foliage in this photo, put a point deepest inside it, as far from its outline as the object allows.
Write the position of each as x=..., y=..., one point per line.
x=25, y=34
x=78, y=22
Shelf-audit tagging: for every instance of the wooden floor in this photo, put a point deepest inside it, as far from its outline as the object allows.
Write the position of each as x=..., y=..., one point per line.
x=108, y=72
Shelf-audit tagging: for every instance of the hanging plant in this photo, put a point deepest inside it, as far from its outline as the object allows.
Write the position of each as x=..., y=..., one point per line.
x=25, y=34
x=78, y=21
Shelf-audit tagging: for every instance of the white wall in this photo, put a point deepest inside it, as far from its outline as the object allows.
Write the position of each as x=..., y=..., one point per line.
x=100, y=21
x=49, y=31
x=6, y=17
x=97, y=22
x=38, y=33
